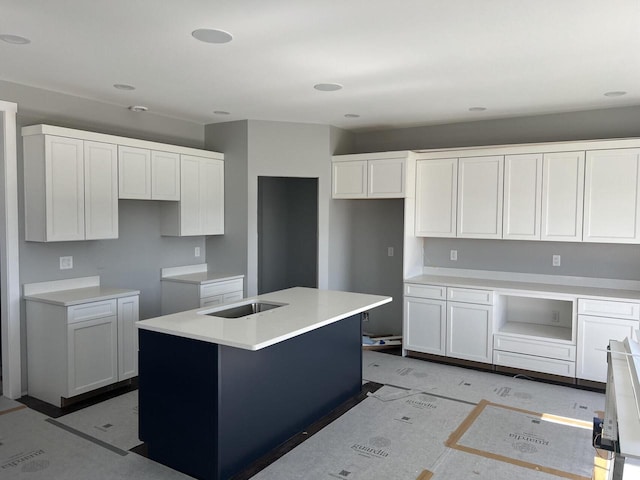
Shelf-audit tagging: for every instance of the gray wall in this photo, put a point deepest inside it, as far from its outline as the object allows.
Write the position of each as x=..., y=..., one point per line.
x=133, y=260
x=580, y=259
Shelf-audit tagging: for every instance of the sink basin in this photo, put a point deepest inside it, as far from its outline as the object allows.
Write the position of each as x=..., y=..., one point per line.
x=244, y=310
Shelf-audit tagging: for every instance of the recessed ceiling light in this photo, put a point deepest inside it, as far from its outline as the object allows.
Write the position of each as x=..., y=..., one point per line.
x=123, y=86
x=351, y=115
x=212, y=35
x=221, y=112
x=615, y=93
x=14, y=39
x=477, y=109
x=327, y=87
x=138, y=108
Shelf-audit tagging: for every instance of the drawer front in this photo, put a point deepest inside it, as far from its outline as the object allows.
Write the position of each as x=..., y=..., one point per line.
x=552, y=366
x=232, y=297
x=425, y=291
x=220, y=288
x=603, y=308
x=212, y=301
x=89, y=311
x=468, y=295
x=534, y=347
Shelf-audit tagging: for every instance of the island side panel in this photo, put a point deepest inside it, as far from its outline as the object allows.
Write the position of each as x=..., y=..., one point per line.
x=269, y=395
x=178, y=402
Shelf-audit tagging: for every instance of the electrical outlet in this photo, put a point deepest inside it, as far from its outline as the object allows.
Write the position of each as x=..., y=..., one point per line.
x=66, y=263
x=197, y=251
x=390, y=251
x=555, y=260
x=555, y=316
x=365, y=316
x=453, y=255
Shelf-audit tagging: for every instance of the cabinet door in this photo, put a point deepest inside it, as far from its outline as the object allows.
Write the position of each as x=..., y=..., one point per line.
x=64, y=185
x=92, y=348
x=100, y=190
x=190, y=217
x=425, y=325
x=387, y=178
x=562, y=196
x=594, y=334
x=127, y=337
x=165, y=176
x=134, y=173
x=350, y=179
x=436, y=197
x=470, y=331
x=212, y=196
x=522, y=197
x=480, y=192
x=611, y=197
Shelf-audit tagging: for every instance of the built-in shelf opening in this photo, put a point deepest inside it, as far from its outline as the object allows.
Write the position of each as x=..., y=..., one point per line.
x=545, y=318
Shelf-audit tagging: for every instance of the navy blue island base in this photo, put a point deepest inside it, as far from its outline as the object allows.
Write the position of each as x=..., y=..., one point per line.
x=210, y=410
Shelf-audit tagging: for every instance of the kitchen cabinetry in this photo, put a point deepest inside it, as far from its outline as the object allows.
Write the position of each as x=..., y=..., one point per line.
x=612, y=196
x=436, y=197
x=370, y=175
x=425, y=319
x=70, y=189
x=522, y=197
x=598, y=322
x=201, y=207
x=148, y=174
x=79, y=341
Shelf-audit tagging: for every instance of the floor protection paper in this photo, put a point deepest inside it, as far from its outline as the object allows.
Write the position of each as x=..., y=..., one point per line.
x=7, y=405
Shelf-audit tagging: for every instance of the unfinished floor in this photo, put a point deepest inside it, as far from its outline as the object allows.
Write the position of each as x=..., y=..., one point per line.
x=427, y=421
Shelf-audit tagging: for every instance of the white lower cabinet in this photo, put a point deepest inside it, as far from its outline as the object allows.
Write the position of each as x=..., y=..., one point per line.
x=75, y=349
x=425, y=325
x=470, y=331
x=180, y=294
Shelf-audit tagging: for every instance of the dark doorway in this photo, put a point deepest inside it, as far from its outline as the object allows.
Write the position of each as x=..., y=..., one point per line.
x=287, y=233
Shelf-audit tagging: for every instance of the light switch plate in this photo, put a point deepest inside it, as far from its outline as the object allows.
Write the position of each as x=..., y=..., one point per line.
x=66, y=263
x=197, y=251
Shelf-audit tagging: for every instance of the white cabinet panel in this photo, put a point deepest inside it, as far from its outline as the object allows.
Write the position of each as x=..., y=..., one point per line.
x=190, y=196
x=386, y=178
x=134, y=173
x=425, y=325
x=605, y=308
x=470, y=295
x=436, y=292
x=212, y=196
x=470, y=331
x=480, y=190
x=611, y=197
x=552, y=366
x=165, y=176
x=350, y=179
x=179, y=296
x=522, y=197
x=436, y=197
x=128, y=315
x=562, y=196
x=101, y=190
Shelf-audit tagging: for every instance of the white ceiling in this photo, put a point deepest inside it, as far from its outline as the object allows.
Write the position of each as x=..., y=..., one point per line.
x=402, y=62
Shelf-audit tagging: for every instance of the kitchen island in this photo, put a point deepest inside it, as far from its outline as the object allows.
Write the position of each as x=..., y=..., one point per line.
x=217, y=393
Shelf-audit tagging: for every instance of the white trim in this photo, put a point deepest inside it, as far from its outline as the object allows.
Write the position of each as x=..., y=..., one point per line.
x=185, y=270
x=9, y=256
x=130, y=142
x=612, y=283
x=372, y=156
x=58, y=285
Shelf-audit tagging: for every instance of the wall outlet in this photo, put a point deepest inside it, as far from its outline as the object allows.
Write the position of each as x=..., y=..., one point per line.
x=197, y=251
x=390, y=251
x=365, y=316
x=555, y=316
x=555, y=260
x=453, y=255
x=66, y=263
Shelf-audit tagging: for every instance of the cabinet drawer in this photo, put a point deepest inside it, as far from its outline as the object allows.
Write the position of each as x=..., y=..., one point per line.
x=89, y=311
x=468, y=295
x=425, y=291
x=552, y=366
x=534, y=347
x=603, y=308
x=211, y=301
x=219, y=288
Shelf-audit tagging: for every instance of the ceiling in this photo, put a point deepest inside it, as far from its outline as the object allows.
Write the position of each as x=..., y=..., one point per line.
x=401, y=63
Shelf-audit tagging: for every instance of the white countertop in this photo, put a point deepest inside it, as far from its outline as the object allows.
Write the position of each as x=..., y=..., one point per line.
x=76, y=296
x=515, y=286
x=307, y=309
x=201, y=278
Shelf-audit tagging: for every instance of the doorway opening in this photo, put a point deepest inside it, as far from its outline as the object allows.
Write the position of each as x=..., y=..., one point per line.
x=287, y=233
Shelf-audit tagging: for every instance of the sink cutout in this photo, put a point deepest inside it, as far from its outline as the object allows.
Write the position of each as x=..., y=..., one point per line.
x=246, y=309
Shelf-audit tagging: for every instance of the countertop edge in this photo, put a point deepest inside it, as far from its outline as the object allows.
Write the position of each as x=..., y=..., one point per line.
x=117, y=293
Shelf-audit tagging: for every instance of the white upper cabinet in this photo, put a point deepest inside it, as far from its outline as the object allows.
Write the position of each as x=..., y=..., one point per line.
x=372, y=175
x=436, y=197
x=562, y=196
x=611, y=197
x=165, y=176
x=134, y=173
x=522, y=197
x=70, y=189
x=480, y=182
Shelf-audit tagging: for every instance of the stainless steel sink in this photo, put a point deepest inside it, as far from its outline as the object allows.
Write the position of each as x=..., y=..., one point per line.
x=244, y=310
